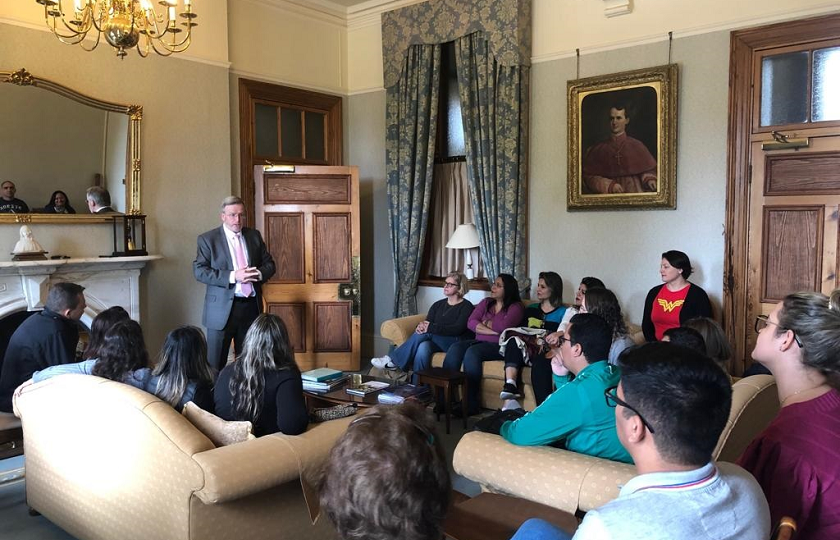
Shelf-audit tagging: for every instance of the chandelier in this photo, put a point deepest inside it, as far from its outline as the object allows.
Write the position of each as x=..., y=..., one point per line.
x=125, y=24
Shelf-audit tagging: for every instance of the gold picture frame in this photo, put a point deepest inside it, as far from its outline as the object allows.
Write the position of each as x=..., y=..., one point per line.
x=623, y=140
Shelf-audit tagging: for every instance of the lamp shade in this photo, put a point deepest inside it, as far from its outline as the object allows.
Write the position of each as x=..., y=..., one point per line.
x=464, y=237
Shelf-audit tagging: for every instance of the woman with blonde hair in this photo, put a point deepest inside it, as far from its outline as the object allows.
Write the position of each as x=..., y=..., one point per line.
x=797, y=458
x=445, y=324
x=263, y=385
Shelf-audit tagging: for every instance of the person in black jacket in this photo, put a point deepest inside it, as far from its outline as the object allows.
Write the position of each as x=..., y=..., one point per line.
x=676, y=300
x=48, y=338
x=445, y=324
x=264, y=386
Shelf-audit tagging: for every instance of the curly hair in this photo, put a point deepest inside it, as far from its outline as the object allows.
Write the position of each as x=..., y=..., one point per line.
x=100, y=325
x=266, y=348
x=183, y=359
x=604, y=303
x=123, y=351
x=387, y=477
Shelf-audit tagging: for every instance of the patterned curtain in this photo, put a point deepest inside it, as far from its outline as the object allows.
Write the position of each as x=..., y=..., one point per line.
x=411, y=121
x=494, y=107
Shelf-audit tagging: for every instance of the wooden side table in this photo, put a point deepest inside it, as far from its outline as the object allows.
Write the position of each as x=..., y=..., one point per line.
x=446, y=381
x=490, y=516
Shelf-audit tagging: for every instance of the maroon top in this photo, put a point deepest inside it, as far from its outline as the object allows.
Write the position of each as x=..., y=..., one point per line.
x=797, y=462
x=499, y=321
x=620, y=155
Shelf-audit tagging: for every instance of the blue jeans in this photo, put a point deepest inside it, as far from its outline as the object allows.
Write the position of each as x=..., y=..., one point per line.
x=537, y=529
x=471, y=354
x=417, y=351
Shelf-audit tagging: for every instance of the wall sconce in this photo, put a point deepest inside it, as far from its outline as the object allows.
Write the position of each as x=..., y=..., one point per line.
x=465, y=237
x=129, y=235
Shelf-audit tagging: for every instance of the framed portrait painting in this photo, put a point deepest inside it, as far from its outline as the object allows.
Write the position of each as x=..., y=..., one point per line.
x=623, y=140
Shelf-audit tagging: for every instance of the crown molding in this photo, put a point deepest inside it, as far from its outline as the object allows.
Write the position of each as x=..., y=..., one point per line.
x=336, y=91
x=695, y=31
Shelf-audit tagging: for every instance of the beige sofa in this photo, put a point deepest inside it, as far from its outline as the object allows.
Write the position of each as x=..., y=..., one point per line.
x=573, y=482
x=105, y=461
x=399, y=330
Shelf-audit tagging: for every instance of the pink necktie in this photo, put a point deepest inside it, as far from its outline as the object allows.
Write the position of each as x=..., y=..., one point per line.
x=246, y=288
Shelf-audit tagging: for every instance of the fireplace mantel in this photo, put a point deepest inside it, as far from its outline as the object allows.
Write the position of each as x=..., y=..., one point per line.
x=108, y=281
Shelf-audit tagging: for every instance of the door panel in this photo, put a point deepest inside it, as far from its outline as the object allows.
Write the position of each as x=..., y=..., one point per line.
x=793, y=225
x=310, y=219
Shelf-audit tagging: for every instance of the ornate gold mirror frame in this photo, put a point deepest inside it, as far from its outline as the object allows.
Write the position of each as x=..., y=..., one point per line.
x=22, y=77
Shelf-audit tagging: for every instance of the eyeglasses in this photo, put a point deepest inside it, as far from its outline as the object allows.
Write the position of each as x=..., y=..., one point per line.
x=449, y=284
x=561, y=339
x=611, y=395
x=762, y=321
x=429, y=436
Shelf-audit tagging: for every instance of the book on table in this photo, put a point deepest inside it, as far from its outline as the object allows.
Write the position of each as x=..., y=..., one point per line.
x=321, y=374
x=404, y=392
x=366, y=388
x=324, y=386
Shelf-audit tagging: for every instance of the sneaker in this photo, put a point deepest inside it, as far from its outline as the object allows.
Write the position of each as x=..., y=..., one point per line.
x=383, y=362
x=511, y=404
x=510, y=391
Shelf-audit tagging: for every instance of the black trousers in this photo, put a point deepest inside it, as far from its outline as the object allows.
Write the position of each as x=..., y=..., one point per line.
x=242, y=314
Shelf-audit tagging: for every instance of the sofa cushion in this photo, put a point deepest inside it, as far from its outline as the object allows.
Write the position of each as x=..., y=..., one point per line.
x=221, y=432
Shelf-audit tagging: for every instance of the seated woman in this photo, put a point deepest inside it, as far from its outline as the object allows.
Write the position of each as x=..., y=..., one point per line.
x=542, y=378
x=492, y=316
x=183, y=374
x=59, y=204
x=100, y=325
x=548, y=313
x=263, y=385
x=675, y=301
x=603, y=302
x=797, y=458
x=122, y=358
x=445, y=324
x=717, y=344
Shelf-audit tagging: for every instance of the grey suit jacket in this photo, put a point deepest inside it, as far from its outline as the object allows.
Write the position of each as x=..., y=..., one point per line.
x=213, y=265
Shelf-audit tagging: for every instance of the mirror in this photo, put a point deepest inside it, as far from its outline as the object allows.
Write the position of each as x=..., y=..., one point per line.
x=54, y=138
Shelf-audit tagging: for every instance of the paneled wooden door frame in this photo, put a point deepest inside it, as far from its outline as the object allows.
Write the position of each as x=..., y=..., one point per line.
x=744, y=45
x=309, y=218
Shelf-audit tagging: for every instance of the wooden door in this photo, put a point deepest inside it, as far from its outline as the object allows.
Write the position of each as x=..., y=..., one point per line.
x=793, y=224
x=309, y=218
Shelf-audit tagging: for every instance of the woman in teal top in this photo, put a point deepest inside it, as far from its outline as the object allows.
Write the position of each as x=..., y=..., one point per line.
x=548, y=313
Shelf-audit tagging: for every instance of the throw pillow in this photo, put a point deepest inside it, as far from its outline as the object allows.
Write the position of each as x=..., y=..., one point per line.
x=221, y=432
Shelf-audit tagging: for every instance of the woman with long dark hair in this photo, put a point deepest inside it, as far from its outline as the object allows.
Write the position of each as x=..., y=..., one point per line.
x=182, y=373
x=264, y=386
x=59, y=204
x=604, y=303
x=100, y=325
x=122, y=358
x=492, y=316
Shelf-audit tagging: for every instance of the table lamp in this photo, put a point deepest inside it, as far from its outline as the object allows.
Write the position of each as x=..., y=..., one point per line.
x=465, y=237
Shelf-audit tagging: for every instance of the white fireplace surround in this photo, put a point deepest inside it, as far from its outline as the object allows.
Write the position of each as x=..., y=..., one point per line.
x=108, y=282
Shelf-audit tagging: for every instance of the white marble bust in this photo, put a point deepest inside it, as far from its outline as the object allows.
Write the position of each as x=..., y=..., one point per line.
x=27, y=244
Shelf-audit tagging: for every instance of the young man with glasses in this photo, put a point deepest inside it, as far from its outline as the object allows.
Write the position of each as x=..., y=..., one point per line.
x=576, y=414
x=670, y=409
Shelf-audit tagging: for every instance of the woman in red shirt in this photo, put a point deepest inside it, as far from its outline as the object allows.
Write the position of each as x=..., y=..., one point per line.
x=676, y=300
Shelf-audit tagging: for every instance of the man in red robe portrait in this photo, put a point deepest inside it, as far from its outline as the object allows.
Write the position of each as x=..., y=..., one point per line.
x=620, y=164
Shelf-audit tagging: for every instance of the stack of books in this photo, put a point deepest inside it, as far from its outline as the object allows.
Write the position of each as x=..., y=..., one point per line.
x=322, y=379
x=366, y=388
x=398, y=394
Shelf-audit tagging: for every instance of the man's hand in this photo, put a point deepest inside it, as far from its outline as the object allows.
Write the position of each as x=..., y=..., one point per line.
x=422, y=328
x=557, y=365
x=615, y=187
x=650, y=183
x=247, y=275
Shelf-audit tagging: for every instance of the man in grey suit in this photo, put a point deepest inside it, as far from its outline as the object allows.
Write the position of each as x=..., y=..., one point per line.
x=233, y=261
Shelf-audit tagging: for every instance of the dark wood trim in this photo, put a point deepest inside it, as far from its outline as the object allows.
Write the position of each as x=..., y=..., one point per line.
x=273, y=94
x=743, y=45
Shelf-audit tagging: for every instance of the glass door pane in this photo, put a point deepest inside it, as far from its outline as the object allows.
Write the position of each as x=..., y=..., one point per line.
x=784, y=89
x=826, y=85
x=291, y=133
x=265, y=129
x=315, y=136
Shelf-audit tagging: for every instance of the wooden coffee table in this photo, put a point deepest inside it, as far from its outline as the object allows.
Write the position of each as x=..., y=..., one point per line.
x=340, y=397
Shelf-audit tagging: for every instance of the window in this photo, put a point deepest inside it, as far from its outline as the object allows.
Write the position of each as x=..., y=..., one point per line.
x=451, y=204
